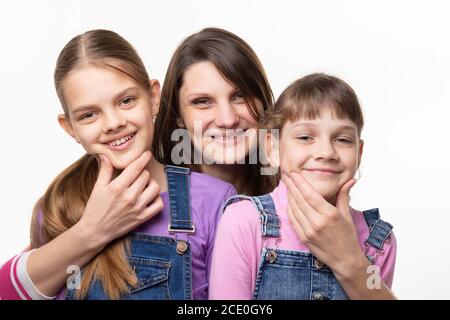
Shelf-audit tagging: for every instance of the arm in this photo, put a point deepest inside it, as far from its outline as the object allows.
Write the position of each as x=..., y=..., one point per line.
x=114, y=208
x=47, y=266
x=357, y=283
x=213, y=225
x=363, y=281
x=234, y=259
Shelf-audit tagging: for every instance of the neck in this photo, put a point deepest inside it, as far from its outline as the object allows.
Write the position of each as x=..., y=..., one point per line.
x=235, y=175
x=332, y=200
x=158, y=173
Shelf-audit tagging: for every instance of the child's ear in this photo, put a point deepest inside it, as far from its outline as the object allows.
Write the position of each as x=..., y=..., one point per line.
x=360, y=151
x=64, y=122
x=155, y=96
x=272, y=150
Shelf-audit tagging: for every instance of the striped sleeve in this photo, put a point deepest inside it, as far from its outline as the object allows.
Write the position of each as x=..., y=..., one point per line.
x=15, y=283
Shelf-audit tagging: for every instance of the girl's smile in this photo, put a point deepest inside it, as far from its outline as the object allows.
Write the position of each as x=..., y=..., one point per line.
x=121, y=143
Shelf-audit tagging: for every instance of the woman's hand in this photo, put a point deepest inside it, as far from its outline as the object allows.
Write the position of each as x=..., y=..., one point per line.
x=117, y=206
x=327, y=230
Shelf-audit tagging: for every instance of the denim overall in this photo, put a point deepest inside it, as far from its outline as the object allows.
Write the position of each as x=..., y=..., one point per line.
x=296, y=275
x=162, y=264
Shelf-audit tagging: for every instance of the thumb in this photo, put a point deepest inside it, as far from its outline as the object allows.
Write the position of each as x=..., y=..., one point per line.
x=105, y=171
x=343, y=197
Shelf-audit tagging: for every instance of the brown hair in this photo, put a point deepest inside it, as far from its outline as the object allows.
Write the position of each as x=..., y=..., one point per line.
x=305, y=98
x=64, y=201
x=236, y=62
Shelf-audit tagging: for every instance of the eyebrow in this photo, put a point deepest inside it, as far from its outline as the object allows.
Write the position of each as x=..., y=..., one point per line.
x=197, y=94
x=312, y=125
x=116, y=97
x=204, y=94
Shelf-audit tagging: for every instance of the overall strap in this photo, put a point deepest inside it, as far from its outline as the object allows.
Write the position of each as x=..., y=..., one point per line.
x=270, y=223
x=180, y=220
x=379, y=230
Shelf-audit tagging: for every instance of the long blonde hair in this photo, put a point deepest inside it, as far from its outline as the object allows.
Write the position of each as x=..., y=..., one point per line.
x=64, y=202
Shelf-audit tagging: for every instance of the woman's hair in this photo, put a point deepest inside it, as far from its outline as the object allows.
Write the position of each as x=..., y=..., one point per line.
x=237, y=63
x=64, y=202
x=307, y=96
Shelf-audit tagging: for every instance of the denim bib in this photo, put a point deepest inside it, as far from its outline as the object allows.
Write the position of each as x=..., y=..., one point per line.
x=296, y=275
x=162, y=264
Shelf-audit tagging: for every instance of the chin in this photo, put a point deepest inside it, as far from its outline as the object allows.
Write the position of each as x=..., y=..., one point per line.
x=325, y=189
x=120, y=163
x=225, y=158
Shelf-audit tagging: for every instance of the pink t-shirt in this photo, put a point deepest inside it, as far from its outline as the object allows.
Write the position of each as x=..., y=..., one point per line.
x=238, y=246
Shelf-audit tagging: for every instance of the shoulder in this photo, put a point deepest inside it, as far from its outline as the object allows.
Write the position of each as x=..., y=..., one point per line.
x=208, y=194
x=241, y=215
x=210, y=186
x=367, y=219
x=370, y=224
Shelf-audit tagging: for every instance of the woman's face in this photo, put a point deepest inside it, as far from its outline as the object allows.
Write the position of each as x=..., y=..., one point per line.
x=216, y=116
x=109, y=113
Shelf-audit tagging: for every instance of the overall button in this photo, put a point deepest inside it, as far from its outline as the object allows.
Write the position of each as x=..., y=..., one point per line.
x=182, y=247
x=271, y=256
x=318, y=264
x=317, y=296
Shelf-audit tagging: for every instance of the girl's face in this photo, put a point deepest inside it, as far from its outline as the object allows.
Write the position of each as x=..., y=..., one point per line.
x=109, y=113
x=326, y=151
x=216, y=115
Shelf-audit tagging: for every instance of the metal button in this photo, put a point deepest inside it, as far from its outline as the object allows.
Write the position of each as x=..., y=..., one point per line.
x=182, y=246
x=318, y=264
x=271, y=256
x=317, y=296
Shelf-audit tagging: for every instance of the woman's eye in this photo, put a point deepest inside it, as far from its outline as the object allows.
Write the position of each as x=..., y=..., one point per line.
x=201, y=102
x=127, y=100
x=239, y=97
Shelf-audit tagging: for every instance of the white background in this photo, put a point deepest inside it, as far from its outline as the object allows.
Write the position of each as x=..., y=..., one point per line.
x=396, y=55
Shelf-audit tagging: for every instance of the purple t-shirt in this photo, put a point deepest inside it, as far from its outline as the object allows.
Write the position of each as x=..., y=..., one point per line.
x=207, y=196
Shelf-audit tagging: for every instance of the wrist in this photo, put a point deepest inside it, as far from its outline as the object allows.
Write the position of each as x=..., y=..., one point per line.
x=89, y=236
x=352, y=268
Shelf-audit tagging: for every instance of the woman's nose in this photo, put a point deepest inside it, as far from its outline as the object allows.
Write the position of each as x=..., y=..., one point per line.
x=226, y=116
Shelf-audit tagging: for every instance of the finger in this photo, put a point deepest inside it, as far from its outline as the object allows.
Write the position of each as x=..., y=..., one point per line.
x=150, y=193
x=152, y=210
x=139, y=184
x=296, y=225
x=294, y=191
x=298, y=214
x=105, y=172
x=343, y=197
x=302, y=205
x=132, y=171
x=313, y=198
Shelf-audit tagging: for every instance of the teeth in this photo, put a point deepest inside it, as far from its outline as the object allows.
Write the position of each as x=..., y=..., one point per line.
x=236, y=134
x=118, y=142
